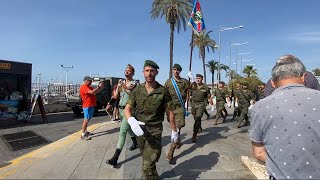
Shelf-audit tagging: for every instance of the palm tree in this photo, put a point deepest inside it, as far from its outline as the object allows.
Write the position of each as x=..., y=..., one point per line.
x=212, y=66
x=176, y=13
x=232, y=74
x=224, y=67
x=203, y=41
x=248, y=70
x=316, y=72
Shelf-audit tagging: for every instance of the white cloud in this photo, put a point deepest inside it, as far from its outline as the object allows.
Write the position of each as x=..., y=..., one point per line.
x=306, y=37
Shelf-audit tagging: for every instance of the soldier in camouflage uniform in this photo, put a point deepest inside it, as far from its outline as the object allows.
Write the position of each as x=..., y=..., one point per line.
x=236, y=112
x=150, y=101
x=221, y=94
x=179, y=114
x=245, y=98
x=200, y=94
x=260, y=94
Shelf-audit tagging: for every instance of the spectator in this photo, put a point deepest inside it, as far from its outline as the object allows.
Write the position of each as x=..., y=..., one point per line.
x=115, y=103
x=88, y=96
x=285, y=125
x=310, y=81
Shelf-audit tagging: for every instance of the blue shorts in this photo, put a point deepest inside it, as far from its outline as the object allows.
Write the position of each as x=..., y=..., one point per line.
x=88, y=112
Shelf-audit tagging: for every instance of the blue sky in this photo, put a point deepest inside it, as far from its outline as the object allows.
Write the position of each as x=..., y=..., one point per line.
x=103, y=36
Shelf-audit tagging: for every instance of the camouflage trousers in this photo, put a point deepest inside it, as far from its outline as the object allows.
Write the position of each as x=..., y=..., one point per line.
x=243, y=114
x=179, y=118
x=197, y=112
x=236, y=112
x=150, y=147
x=220, y=108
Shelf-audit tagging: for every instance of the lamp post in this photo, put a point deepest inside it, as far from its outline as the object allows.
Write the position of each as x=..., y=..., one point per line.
x=234, y=44
x=239, y=54
x=66, y=68
x=221, y=29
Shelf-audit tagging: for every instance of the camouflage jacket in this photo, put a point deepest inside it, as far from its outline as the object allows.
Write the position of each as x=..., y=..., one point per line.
x=200, y=94
x=244, y=97
x=150, y=108
x=221, y=94
x=183, y=85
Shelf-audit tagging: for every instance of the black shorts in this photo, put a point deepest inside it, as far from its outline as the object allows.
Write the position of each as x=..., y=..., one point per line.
x=115, y=104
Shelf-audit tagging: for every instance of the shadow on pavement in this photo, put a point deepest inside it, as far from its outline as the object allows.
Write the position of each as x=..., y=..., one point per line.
x=212, y=134
x=167, y=139
x=102, y=133
x=5, y=164
x=192, y=168
x=127, y=160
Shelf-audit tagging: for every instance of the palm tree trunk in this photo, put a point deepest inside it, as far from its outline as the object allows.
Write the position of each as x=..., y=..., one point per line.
x=171, y=48
x=212, y=80
x=204, y=68
x=213, y=77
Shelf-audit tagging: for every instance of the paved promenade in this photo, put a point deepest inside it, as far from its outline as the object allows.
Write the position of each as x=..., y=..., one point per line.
x=216, y=155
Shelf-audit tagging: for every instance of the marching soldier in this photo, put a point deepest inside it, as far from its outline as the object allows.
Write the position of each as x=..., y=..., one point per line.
x=123, y=91
x=200, y=94
x=173, y=85
x=261, y=88
x=150, y=101
x=221, y=94
x=236, y=112
x=245, y=99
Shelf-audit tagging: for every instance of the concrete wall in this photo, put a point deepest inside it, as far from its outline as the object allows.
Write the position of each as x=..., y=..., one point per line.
x=52, y=108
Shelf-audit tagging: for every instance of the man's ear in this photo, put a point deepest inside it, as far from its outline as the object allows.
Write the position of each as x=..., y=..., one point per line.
x=273, y=84
x=303, y=77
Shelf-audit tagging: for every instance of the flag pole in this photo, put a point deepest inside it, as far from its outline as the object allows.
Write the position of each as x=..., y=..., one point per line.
x=190, y=64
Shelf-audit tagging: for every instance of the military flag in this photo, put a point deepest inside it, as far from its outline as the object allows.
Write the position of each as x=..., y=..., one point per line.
x=196, y=21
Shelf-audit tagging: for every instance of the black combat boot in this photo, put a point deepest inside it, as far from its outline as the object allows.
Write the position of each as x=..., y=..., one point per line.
x=134, y=145
x=114, y=160
x=194, y=136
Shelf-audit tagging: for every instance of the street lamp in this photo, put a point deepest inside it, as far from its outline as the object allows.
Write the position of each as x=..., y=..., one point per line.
x=239, y=54
x=221, y=29
x=234, y=44
x=66, y=68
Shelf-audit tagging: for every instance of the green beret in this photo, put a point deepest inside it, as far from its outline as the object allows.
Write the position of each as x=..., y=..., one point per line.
x=177, y=66
x=199, y=75
x=151, y=63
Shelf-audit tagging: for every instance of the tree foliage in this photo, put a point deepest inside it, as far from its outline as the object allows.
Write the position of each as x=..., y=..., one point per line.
x=248, y=70
x=177, y=13
x=316, y=72
x=203, y=42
